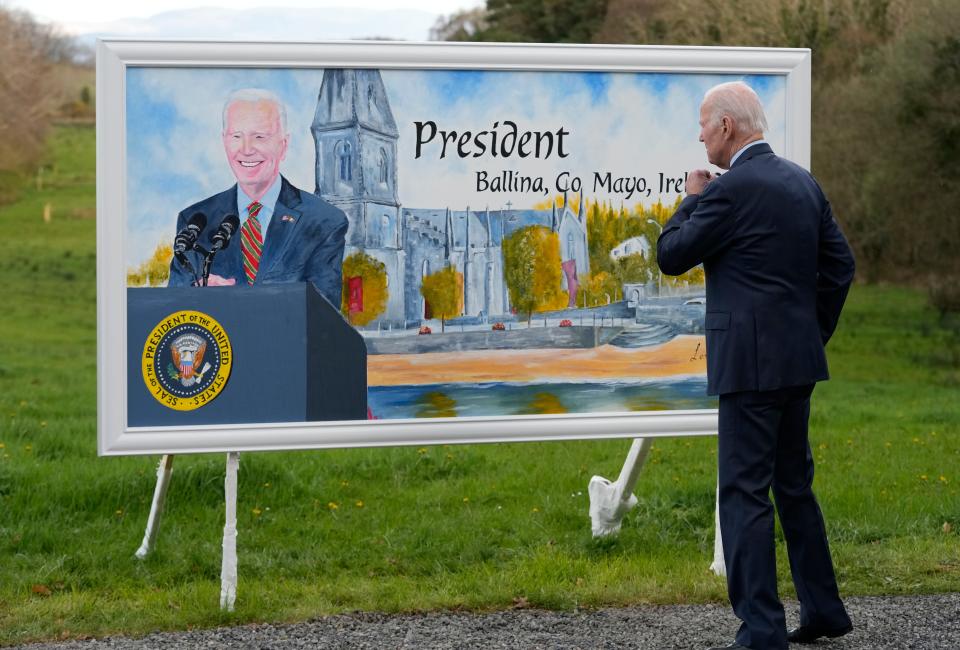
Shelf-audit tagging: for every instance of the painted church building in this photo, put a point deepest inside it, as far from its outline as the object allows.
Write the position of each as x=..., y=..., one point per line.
x=356, y=137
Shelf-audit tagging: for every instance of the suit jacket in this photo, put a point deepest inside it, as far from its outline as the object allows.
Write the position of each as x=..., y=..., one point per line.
x=777, y=269
x=304, y=242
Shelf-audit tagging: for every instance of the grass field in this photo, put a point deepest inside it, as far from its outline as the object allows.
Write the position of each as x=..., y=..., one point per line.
x=477, y=527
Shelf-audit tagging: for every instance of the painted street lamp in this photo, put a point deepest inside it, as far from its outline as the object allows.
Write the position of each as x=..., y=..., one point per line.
x=659, y=272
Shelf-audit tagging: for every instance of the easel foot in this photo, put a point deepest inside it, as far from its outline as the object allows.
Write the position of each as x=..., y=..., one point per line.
x=608, y=506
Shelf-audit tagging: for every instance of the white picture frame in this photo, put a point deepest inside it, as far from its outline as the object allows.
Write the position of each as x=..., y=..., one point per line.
x=115, y=56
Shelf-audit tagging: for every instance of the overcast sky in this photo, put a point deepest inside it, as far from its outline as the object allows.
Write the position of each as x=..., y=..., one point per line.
x=124, y=17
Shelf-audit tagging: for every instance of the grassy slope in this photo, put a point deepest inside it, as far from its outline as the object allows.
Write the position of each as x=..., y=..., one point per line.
x=405, y=529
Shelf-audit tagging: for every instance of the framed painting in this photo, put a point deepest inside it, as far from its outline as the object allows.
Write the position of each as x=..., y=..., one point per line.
x=309, y=245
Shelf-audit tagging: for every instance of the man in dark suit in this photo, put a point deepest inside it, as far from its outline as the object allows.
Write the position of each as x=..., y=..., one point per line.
x=286, y=234
x=777, y=272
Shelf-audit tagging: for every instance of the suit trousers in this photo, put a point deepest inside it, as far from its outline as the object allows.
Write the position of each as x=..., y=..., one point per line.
x=763, y=444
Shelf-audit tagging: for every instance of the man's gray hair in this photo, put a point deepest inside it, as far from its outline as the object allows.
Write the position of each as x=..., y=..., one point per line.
x=256, y=95
x=739, y=102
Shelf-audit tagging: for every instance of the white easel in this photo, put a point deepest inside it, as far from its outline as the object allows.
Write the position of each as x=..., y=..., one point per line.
x=228, y=565
x=609, y=502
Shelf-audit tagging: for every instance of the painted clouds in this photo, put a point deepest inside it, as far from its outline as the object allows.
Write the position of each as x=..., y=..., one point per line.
x=626, y=124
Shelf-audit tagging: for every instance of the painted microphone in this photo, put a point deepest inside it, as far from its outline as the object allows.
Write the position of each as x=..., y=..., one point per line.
x=219, y=240
x=221, y=237
x=186, y=240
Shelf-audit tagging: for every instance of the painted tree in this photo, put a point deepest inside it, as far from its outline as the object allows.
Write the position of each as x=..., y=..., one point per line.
x=531, y=258
x=692, y=278
x=635, y=268
x=599, y=288
x=443, y=291
x=153, y=272
x=372, y=275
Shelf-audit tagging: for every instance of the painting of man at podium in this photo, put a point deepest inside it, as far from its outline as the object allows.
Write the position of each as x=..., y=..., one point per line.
x=279, y=233
x=490, y=234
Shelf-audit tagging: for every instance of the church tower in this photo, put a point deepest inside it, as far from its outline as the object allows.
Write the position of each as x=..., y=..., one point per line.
x=356, y=168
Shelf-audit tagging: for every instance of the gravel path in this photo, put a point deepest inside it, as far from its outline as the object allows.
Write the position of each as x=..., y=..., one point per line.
x=883, y=622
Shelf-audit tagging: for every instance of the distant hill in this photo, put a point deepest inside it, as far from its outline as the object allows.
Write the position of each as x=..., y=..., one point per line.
x=270, y=24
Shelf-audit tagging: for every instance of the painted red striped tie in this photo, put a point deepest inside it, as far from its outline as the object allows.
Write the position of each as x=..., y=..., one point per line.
x=251, y=242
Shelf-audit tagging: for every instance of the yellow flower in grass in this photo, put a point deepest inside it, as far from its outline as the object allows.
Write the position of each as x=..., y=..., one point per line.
x=257, y=512
x=333, y=505
x=359, y=504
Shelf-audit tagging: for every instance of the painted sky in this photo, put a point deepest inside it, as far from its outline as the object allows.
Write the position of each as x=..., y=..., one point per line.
x=624, y=123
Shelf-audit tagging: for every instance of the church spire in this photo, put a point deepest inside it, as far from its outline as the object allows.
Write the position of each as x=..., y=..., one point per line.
x=554, y=225
x=448, y=241
x=486, y=220
x=466, y=264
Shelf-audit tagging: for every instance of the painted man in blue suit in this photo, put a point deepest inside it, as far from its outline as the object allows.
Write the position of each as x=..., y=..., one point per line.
x=286, y=234
x=777, y=272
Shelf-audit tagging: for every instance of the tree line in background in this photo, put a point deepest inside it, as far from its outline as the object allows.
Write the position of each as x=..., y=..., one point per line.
x=886, y=87
x=39, y=83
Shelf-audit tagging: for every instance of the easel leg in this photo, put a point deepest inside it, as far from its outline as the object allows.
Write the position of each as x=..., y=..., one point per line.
x=609, y=502
x=228, y=568
x=156, y=508
x=718, y=566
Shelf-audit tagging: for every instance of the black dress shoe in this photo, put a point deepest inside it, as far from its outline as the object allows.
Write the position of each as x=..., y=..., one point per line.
x=810, y=633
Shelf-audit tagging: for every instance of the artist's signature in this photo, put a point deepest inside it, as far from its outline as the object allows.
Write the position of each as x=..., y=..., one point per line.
x=700, y=353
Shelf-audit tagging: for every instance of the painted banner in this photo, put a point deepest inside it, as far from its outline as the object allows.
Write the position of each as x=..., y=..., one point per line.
x=446, y=243
x=499, y=252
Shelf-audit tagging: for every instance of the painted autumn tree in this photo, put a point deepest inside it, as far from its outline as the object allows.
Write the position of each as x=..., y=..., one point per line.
x=154, y=272
x=373, y=274
x=599, y=288
x=444, y=291
x=531, y=258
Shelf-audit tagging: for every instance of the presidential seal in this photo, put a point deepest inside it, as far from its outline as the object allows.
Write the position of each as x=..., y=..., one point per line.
x=186, y=360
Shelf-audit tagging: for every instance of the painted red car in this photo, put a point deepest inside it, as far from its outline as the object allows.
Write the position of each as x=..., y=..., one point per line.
x=566, y=322
x=424, y=330
x=498, y=327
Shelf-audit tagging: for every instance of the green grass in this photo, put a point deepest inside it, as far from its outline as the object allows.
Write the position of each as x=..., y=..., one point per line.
x=444, y=527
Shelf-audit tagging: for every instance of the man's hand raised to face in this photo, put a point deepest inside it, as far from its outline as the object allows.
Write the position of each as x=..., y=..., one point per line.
x=697, y=180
